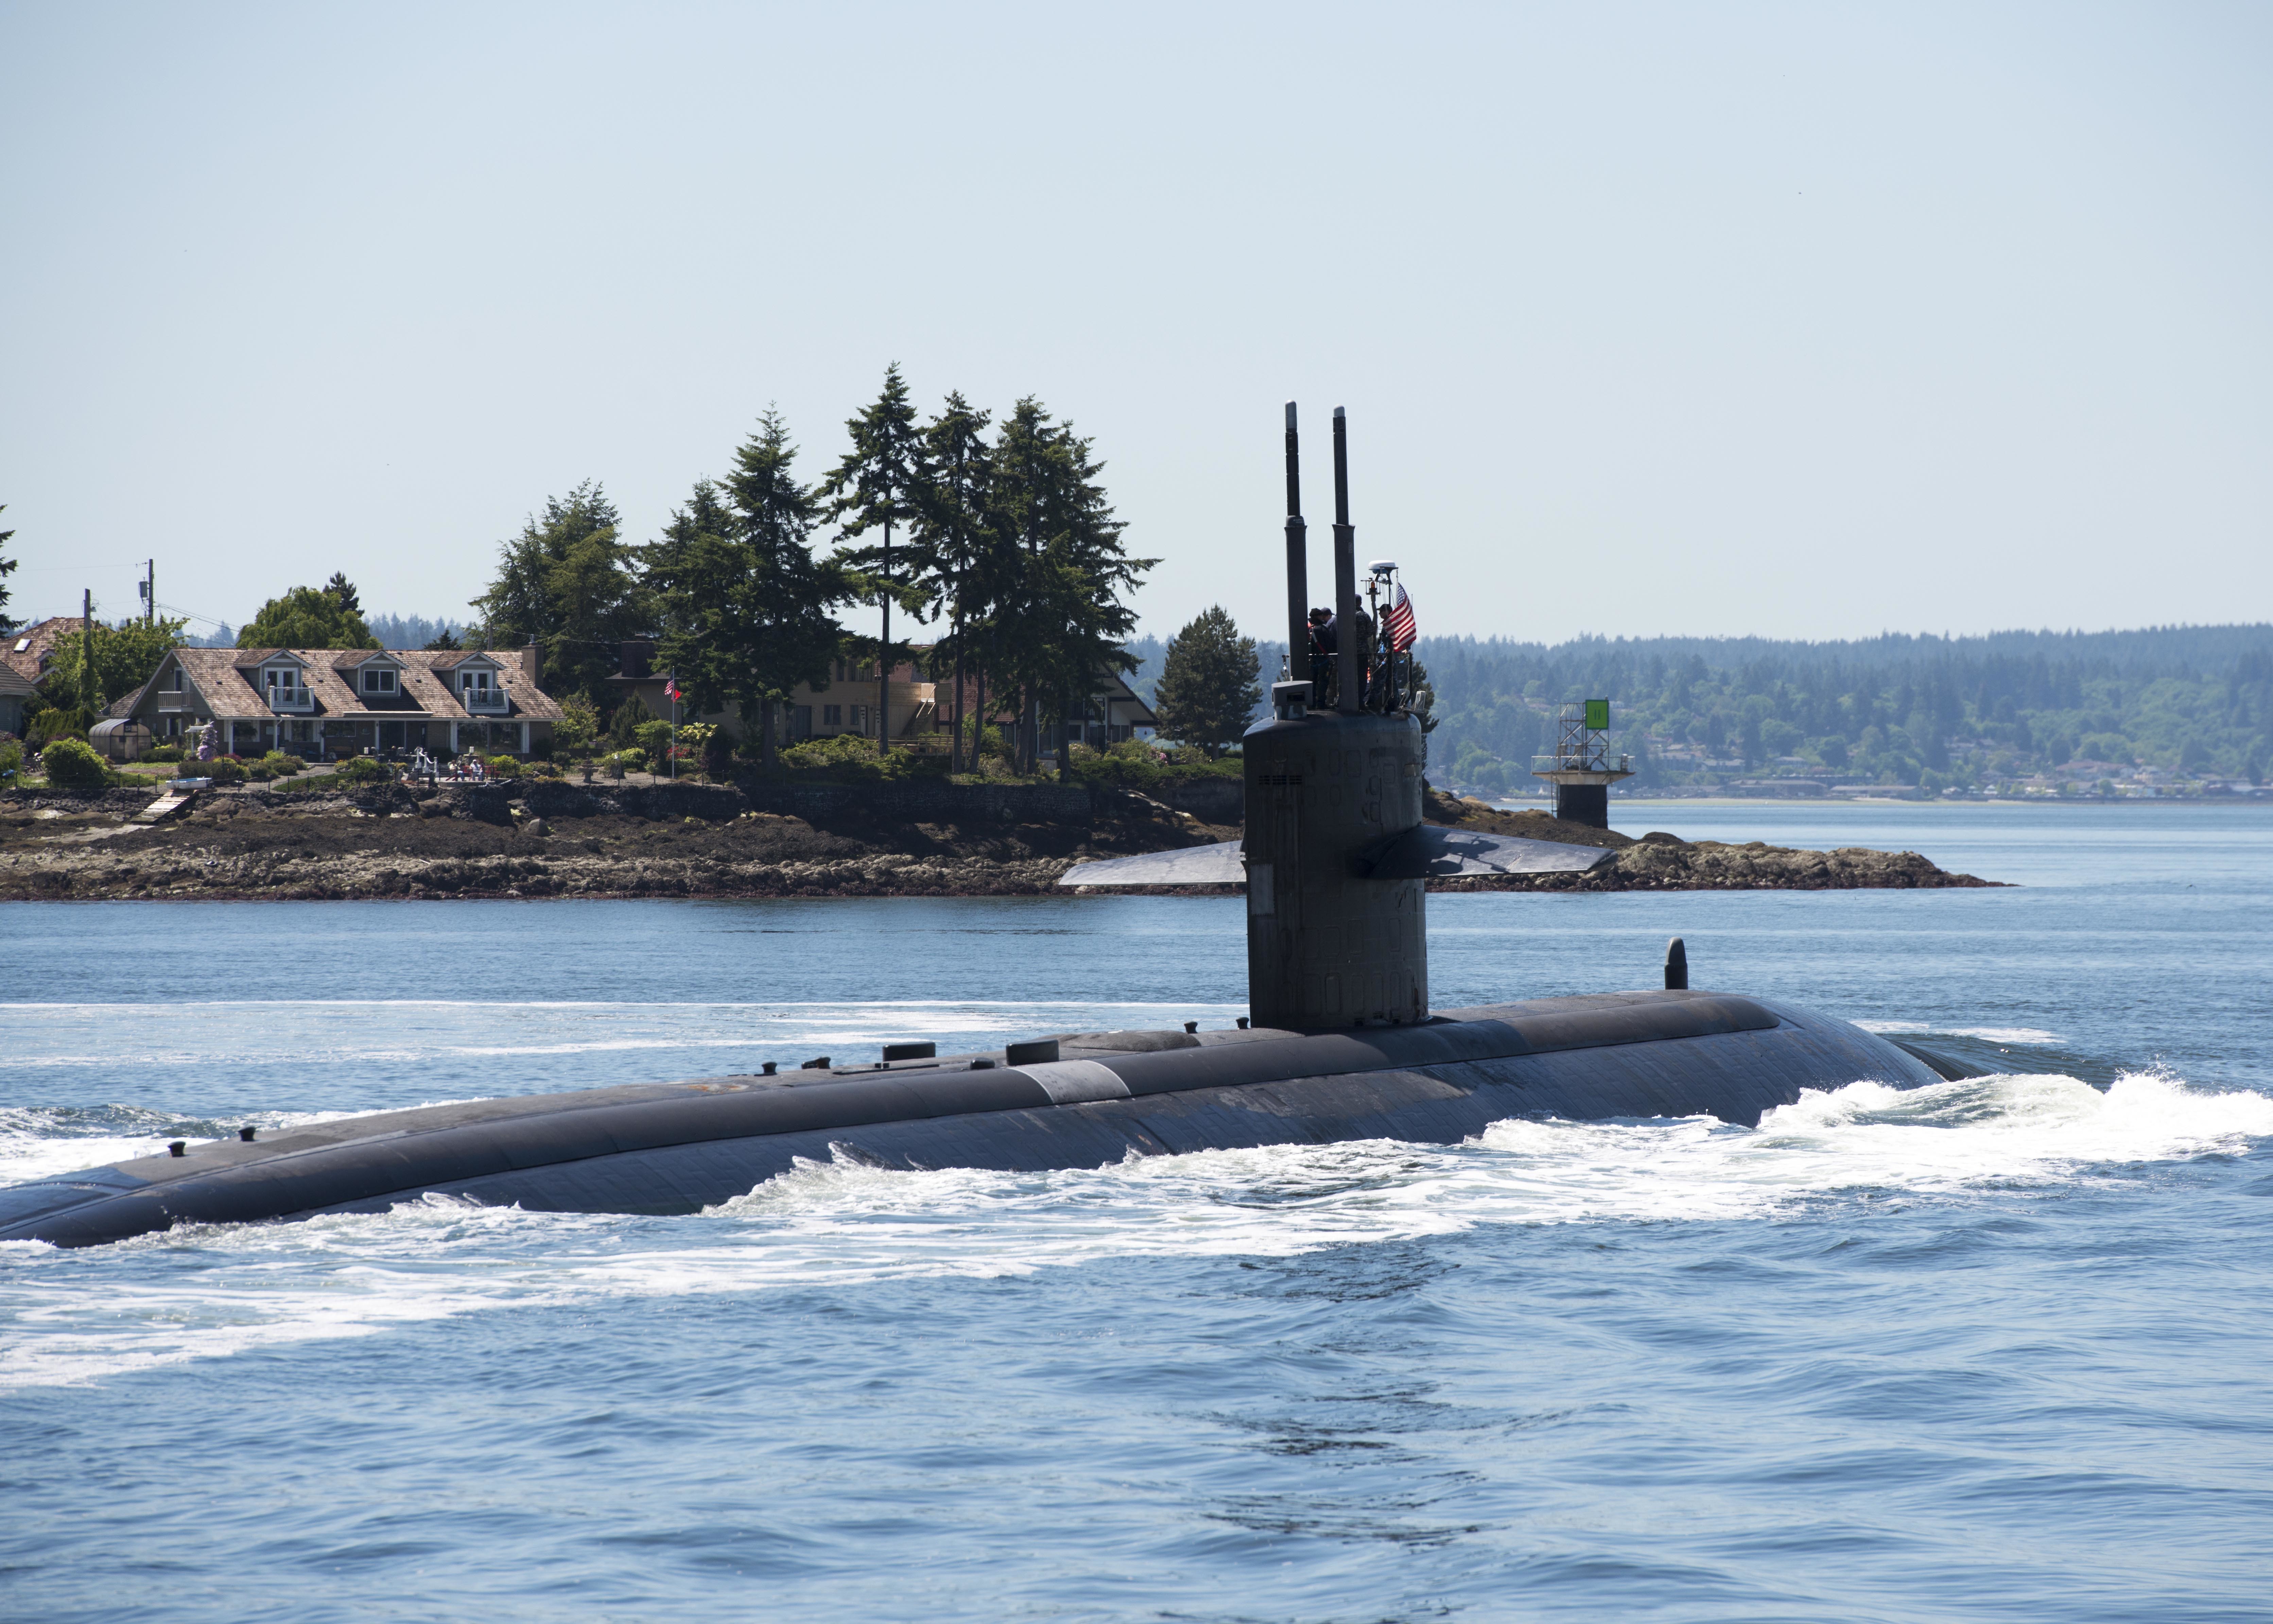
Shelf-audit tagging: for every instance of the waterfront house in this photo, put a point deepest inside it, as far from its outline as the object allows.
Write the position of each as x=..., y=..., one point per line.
x=324, y=704
x=15, y=697
x=845, y=702
x=29, y=650
x=919, y=710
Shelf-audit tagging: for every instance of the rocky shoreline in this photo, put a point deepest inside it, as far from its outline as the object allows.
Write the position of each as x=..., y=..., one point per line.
x=557, y=839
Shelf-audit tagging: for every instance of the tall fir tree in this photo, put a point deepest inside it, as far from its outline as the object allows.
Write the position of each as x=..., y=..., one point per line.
x=567, y=582
x=1058, y=569
x=1208, y=689
x=745, y=603
x=875, y=488
x=954, y=518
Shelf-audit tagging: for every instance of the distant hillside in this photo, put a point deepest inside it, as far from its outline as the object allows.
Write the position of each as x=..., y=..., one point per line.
x=2182, y=704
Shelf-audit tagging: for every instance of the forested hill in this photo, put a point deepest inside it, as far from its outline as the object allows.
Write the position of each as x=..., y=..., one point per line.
x=2164, y=705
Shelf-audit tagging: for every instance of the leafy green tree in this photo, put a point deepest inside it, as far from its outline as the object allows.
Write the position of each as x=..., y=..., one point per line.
x=568, y=583
x=875, y=487
x=578, y=726
x=126, y=656
x=7, y=568
x=1208, y=689
x=306, y=617
x=744, y=603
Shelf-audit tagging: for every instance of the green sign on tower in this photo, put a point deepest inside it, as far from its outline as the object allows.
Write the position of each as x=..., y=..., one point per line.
x=1598, y=713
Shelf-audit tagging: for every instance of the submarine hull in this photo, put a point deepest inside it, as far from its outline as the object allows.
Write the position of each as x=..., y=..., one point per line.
x=679, y=1148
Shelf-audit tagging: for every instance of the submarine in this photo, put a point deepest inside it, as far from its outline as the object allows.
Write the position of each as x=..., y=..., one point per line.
x=1341, y=1042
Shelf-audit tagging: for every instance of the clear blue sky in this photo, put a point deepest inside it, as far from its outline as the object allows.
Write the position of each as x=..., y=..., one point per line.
x=1811, y=319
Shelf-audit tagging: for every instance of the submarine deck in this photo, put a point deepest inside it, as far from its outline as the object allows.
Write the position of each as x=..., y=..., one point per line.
x=677, y=1147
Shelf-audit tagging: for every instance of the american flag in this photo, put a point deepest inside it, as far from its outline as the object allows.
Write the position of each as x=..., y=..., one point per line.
x=670, y=689
x=1399, y=622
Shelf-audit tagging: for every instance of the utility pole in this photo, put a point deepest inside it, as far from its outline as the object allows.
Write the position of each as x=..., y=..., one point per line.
x=91, y=683
x=149, y=590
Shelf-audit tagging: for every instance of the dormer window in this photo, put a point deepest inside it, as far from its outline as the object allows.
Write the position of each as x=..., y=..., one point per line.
x=476, y=682
x=381, y=681
x=283, y=682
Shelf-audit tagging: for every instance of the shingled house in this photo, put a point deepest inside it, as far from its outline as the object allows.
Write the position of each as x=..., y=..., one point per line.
x=324, y=704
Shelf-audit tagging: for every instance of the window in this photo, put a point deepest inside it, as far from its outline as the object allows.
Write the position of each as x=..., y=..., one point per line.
x=379, y=682
x=178, y=675
x=476, y=682
x=860, y=719
x=832, y=716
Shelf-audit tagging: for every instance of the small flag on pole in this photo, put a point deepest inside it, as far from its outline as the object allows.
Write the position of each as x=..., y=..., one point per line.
x=1400, y=623
x=670, y=689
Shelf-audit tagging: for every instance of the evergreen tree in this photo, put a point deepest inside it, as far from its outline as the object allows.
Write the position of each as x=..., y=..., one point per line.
x=1056, y=570
x=567, y=582
x=7, y=568
x=955, y=516
x=745, y=605
x=875, y=487
x=343, y=592
x=1208, y=689
x=306, y=617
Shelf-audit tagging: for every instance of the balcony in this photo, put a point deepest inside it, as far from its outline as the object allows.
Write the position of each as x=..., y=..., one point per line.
x=289, y=701
x=485, y=702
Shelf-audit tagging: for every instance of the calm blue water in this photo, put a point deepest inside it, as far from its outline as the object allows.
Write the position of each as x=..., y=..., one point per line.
x=1995, y=1350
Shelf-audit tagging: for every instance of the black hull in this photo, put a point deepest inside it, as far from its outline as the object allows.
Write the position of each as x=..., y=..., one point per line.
x=678, y=1148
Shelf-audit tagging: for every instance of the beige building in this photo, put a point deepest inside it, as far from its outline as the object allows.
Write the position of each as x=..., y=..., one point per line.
x=325, y=703
x=920, y=711
x=844, y=704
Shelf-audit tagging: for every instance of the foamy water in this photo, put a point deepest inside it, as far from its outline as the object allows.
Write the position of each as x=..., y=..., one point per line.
x=844, y=1223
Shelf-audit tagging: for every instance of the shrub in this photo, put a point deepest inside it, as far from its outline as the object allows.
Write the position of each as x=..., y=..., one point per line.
x=363, y=770
x=1134, y=764
x=654, y=740
x=11, y=758
x=225, y=769
x=72, y=763
x=718, y=754
x=850, y=755
x=48, y=725
x=164, y=753
x=502, y=766
x=542, y=770
x=282, y=765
